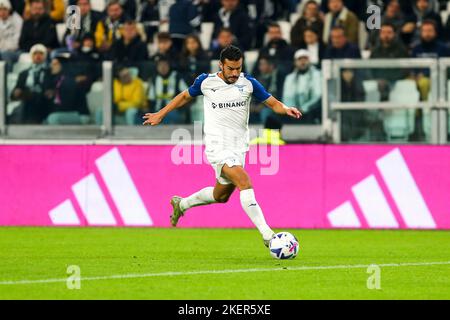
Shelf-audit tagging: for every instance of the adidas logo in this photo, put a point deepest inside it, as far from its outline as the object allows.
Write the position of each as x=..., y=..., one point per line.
x=93, y=203
x=375, y=207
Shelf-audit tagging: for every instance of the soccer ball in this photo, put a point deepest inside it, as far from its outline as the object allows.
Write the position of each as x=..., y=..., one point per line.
x=284, y=245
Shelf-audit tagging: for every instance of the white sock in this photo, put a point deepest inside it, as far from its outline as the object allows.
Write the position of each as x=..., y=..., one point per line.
x=254, y=212
x=202, y=197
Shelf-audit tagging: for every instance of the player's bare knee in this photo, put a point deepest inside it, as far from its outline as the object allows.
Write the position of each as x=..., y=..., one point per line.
x=244, y=184
x=223, y=198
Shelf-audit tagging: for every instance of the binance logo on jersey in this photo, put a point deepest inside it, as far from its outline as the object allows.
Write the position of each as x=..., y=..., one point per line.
x=228, y=104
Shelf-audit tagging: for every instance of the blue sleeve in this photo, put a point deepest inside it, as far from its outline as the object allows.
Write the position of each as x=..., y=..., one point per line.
x=196, y=88
x=259, y=92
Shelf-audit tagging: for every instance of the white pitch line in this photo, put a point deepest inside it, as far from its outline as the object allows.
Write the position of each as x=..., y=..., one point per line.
x=225, y=271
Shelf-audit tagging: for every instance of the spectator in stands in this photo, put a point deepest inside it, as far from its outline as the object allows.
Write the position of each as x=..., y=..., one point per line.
x=10, y=28
x=193, y=59
x=315, y=47
x=150, y=18
x=429, y=47
x=389, y=47
x=39, y=28
x=54, y=8
x=310, y=19
x=130, y=47
x=340, y=48
x=129, y=8
x=166, y=50
x=88, y=23
x=339, y=15
x=358, y=7
x=66, y=105
x=303, y=88
x=423, y=10
x=352, y=89
x=272, y=80
x=353, y=122
x=262, y=13
x=129, y=96
x=224, y=39
x=87, y=51
x=233, y=16
x=278, y=49
x=30, y=90
x=394, y=15
x=86, y=67
x=208, y=9
x=109, y=28
x=184, y=19
x=165, y=86
x=164, y=9
x=446, y=32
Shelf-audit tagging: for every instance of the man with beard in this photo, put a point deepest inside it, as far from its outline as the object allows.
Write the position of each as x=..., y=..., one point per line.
x=429, y=47
x=108, y=29
x=277, y=49
x=39, y=28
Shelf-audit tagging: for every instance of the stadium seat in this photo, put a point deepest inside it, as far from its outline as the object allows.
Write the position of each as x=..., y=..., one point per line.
x=250, y=59
x=293, y=18
x=60, y=31
x=398, y=124
x=214, y=66
x=95, y=97
x=25, y=58
x=365, y=54
x=206, y=32
x=22, y=63
x=98, y=5
x=11, y=81
x=371, y=90
x=444, y=16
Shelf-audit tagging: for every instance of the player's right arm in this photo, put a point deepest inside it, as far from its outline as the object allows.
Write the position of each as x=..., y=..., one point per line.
x=180, y=100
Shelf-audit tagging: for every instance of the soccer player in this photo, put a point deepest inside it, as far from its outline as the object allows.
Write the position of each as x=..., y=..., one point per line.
x=227, y=97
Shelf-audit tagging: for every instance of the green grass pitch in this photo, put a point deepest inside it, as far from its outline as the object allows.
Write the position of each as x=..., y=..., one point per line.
x=153, y=263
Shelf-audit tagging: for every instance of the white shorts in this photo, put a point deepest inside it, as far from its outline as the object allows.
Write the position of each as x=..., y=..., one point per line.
x=228, y=157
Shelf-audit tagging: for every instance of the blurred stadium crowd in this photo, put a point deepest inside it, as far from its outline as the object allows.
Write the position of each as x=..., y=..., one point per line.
x=159, y=47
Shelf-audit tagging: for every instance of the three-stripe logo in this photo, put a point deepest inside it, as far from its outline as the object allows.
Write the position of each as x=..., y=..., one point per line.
x=93, y=203
x=375, y=207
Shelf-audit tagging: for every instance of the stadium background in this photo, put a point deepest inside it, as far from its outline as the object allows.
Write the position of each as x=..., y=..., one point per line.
x=371, y=152
x=362, y=86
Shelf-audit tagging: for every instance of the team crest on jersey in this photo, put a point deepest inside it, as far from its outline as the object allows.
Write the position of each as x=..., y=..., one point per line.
x=244, y=93
x=240, y=87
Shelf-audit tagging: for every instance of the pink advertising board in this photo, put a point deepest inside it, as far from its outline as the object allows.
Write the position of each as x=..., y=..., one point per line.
x=297, y=186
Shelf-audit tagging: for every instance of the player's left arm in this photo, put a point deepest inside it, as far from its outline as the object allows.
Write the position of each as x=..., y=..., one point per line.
x=279, y=107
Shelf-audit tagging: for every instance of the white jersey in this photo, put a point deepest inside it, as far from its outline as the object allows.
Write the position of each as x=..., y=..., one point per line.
x=226, y=109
